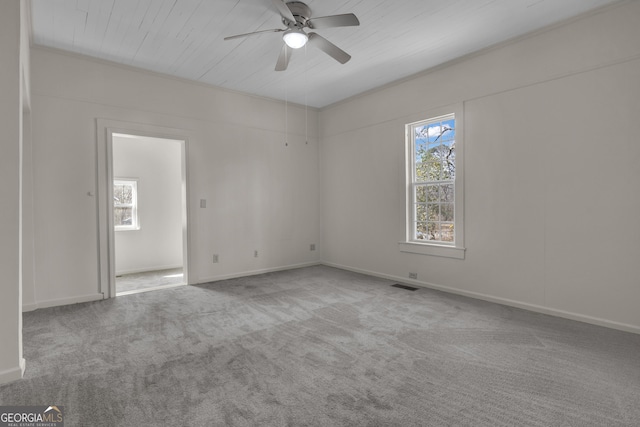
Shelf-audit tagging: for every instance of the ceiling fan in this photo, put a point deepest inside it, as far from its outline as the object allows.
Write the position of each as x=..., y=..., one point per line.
x=296, y=16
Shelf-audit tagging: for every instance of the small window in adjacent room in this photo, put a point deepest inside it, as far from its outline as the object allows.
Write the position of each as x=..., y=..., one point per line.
x=434, y=187
x=125, y=204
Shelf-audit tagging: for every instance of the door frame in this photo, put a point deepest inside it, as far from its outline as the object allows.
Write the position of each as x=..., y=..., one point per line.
x=106, y=234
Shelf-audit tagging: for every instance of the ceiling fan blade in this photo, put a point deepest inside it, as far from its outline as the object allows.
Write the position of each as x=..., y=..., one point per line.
x=284, y=10
x=283, y=58
x=277, y=30
x=346, y=20
x=329, y=48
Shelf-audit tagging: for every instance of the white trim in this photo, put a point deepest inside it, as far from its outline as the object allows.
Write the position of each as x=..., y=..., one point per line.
x=148, y=269
x=97, y=297
x=63, y=301
x=432, y=249
x=105, y=129
x=29, y=307
x=255, y=272
x=14, y=374
x=154, y=288
x=504, y=301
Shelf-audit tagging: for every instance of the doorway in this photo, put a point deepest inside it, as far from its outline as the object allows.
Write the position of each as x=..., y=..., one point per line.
x=142, y=208
x=147, y=212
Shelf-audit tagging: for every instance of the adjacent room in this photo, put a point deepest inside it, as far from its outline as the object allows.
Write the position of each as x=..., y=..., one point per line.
x=321, y=213
x=148, y=190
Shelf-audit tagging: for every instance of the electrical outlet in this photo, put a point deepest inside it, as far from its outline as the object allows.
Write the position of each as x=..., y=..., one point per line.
x=413, y=275
x=255, y=254
x=215, y=258
x=312, y=247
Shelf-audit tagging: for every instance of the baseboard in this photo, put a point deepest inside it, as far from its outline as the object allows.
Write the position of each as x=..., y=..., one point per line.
x=155, y=288
x=63, y=301
x=504, y=301
x=255, y=272
x=14, y=374
x=29, y=307
x=148, y=269
x=97, y=297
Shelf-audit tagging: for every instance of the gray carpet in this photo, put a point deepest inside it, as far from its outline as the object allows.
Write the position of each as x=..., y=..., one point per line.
x=148, y=279
x=323, y=347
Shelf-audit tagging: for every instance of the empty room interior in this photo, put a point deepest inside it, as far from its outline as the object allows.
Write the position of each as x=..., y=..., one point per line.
x=424, y=213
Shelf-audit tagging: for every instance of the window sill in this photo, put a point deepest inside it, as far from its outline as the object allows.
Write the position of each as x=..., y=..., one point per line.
x=431, y=249
x=126, y=228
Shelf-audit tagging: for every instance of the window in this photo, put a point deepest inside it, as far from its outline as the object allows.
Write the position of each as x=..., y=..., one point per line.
x=125, y=204
x=434, y=171
x=434, y=193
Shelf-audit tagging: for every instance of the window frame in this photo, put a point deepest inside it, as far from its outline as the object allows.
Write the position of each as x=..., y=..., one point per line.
x=135, y=223
x=410, y=244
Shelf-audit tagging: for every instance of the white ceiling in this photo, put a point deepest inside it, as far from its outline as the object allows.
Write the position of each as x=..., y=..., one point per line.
x=184, y=38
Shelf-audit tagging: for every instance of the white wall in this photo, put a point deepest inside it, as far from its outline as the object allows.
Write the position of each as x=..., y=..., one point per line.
x=157, y=165
x=261, y=194
x=551, y=172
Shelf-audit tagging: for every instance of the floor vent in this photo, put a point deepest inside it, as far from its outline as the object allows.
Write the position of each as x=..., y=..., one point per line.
x=409, y=288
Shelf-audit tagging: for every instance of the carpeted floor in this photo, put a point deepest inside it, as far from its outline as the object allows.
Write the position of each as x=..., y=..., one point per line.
x=323, y=347
x=148, y=280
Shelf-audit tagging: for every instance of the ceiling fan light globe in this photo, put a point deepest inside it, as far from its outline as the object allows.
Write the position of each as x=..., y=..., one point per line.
x=295, y=39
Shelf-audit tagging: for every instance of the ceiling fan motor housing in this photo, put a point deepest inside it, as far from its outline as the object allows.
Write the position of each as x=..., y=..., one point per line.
x=300, y=11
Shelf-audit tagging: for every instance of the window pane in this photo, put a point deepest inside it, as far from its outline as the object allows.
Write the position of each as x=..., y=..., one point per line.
x=446, y=193
x=123, y=194
x=433, y=212
x=118, y=190
x=450, y=161
x=436, y=131
x=422, y=172
x=436, y=234
x=421, y=213
x=434, y=172
x=122, y=216
x=446, y=232
x=448, y=126
x=446, y=212
x=432, y=230
x=421, y=150
x=421, y=230
x=421, y=193
x=420, y=133
x=432, y=194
